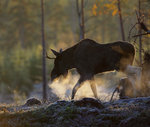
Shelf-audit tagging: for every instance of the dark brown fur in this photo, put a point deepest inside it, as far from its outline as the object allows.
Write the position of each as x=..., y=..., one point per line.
x=90, y=58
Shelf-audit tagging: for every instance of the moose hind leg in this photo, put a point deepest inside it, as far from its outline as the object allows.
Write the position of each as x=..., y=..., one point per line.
x=93, y=87
x=76, y=87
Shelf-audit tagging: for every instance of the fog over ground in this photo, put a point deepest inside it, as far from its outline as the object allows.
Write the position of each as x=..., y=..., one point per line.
x=105, y=82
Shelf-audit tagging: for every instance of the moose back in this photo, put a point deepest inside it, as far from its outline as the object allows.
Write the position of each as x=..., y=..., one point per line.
x=90, y=58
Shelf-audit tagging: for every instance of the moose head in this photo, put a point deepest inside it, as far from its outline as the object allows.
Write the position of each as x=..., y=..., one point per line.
x=59, y=65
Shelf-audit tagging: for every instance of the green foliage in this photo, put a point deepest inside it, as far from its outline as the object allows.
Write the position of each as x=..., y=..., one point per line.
x=20, y=68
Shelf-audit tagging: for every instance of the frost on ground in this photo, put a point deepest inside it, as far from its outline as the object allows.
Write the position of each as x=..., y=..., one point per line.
x=87, y=112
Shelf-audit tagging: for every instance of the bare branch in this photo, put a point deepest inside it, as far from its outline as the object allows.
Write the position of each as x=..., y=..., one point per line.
x=131, y=31
x=77, y=7
x=121, y=21
x=141, y=34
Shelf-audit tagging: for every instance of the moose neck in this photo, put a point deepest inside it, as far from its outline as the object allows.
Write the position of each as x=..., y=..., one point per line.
x=68, y=58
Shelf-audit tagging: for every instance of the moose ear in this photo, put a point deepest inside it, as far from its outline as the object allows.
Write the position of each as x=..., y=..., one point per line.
x=55, y=52
x=60, y=51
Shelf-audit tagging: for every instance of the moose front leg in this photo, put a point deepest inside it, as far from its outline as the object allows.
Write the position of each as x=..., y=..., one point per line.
x=76, y=87
x=93, y=87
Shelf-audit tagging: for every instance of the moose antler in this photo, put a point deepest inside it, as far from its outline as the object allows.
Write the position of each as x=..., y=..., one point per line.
x=48, y=57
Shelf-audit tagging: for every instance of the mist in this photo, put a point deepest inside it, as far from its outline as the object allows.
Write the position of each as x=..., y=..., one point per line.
x=105, y=82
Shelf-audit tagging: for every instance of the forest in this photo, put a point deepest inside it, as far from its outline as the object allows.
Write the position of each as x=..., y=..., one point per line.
x=20, y=34
x=65, y=23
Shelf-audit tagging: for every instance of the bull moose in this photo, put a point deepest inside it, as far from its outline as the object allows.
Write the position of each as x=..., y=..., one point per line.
x=90, y=58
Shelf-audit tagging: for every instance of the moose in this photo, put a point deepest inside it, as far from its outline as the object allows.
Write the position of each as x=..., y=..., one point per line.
x=90, y=58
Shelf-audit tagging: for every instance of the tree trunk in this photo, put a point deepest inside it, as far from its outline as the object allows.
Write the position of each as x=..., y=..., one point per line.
x=80, y=13
x=21, y=37
x=43, y=53
x=103, y=31
x=121, y=22
x=140, y=37
x=73, y=20
x=82, y=19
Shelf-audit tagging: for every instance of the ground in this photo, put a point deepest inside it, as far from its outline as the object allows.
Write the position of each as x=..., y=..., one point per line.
x=87, y=112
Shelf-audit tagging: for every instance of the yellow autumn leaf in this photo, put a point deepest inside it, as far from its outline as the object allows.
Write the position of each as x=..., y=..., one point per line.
x=94, y=12
x=148, y=35
x=114, y=12
x=94, y=9
x=95, y=6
